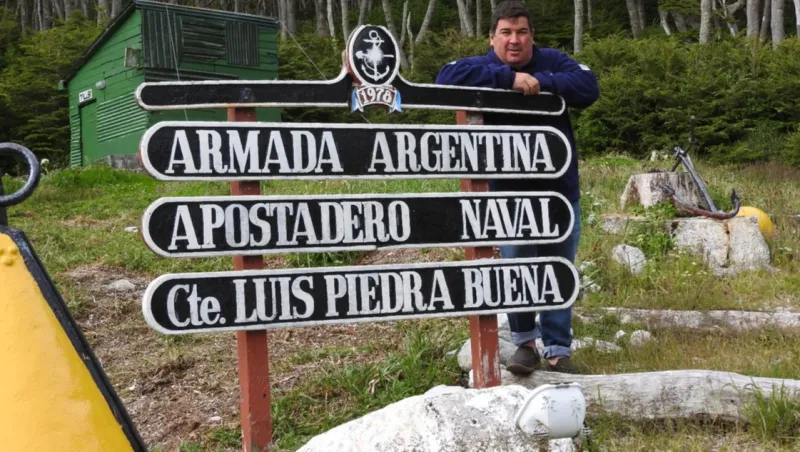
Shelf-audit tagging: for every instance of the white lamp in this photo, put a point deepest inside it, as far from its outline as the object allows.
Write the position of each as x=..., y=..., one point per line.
x=553, y=411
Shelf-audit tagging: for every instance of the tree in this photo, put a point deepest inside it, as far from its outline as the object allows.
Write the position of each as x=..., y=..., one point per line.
x=578, y=40
x=753, y=18
x=778, y=33
x=705, y=21
x=765, y=20
x=797, y=16
x=633, y=15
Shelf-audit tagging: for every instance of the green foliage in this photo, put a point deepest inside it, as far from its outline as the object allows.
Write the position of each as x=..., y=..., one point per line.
x=776, y=416
x=738, y=91
x=33, y=112
x=325, y=259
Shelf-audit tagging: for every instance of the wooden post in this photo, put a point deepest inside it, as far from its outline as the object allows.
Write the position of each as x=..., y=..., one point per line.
x=482, y=328
x=253, y=350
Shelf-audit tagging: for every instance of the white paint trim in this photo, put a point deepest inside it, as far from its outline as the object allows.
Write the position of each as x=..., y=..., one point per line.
x=147, y=298
x=150, y=169
x=259, y=198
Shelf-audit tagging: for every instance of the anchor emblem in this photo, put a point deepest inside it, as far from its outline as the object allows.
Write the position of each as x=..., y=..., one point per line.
x=372, y=59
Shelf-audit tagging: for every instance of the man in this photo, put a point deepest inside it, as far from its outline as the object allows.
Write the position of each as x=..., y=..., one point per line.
x=514, y=62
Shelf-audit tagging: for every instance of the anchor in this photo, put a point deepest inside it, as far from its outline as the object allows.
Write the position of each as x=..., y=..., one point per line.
x=373, y=57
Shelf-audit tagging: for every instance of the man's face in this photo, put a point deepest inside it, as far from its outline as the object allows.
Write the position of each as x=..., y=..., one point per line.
x=512, y=41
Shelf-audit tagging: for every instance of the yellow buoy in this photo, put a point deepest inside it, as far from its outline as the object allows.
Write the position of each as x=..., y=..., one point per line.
x=764, y=222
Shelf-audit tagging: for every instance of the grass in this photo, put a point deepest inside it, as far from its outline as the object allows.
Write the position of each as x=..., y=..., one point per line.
x=78, y=218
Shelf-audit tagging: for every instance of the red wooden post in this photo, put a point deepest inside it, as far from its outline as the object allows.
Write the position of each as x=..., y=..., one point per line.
x=482, y=328
x=252, y=345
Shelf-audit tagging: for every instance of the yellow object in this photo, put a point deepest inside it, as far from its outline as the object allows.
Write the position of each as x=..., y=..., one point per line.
x=48, y=398
x=764, y=222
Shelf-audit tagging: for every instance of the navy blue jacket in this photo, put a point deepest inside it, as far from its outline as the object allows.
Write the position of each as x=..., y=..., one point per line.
x=558, y=74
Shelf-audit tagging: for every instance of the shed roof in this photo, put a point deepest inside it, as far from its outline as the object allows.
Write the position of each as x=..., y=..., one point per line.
x=158, y=6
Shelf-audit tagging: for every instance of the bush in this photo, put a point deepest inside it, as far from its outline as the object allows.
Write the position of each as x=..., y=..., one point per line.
x=740, y=93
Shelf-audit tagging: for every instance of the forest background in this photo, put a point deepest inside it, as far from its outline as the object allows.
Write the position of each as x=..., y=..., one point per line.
x=735, y=65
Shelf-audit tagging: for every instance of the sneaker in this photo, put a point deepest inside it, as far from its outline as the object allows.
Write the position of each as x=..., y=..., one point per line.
x=524, y=361
x=565, y=365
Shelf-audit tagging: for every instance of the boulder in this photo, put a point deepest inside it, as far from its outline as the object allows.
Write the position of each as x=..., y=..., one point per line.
x=705, y=237
x=748, y=249
x=645, y=189
x=631, y=257
x=727, y=247
x=445, y=419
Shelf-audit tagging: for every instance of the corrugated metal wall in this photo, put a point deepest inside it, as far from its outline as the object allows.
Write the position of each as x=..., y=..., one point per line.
x=75, y=155
x=118, y=117
x=160, y=42
x=242, y=43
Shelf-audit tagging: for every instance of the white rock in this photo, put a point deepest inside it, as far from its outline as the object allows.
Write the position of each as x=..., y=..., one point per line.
x=640, y=337
x=122, y=285
x=631, y=257
x=585, y=266
x=215, y=419
x=705, y=237
x=131, y=229
x=619, y=335
x=645, y=189
x=748, y=249
x=462, y=420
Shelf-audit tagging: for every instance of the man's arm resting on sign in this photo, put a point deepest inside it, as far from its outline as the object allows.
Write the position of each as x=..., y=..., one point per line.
x=473, y=72
x=575, y=82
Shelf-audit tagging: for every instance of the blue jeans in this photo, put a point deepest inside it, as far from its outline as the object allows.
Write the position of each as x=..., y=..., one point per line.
x=554, y=328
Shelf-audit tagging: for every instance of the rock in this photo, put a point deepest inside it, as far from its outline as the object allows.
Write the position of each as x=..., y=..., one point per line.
x=465, y=354
x=131, y=229
x=450, y=354
x=618, y=224
x=640, y=337
x=215, y=419
x=122, y=285
x=631, y=257
x=645, y=189
x=748, y=249
x=619, y=335
x=726, y=247
x=601, y=346
x=705, y=237
x=442, y=420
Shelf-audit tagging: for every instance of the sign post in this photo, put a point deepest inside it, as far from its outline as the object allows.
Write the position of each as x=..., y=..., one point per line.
x=252, y=346
x=246, y=225
x=482, y=328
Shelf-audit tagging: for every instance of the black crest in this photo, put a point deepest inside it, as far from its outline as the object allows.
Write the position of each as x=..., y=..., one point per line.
x=373, y=55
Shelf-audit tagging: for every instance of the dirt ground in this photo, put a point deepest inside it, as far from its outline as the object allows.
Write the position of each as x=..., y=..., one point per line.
x=177, y=388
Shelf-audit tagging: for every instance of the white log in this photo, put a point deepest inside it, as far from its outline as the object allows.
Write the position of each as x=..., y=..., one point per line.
x=731, y=321
x=689, y=394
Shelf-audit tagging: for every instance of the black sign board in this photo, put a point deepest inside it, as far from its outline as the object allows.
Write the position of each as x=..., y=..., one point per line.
x=254, y=225
x=372, y=61
x=251, y=151
x=262, y=299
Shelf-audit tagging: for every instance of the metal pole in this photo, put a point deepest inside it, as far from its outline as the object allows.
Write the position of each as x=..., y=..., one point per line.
x=253, y=349
x=482, y=328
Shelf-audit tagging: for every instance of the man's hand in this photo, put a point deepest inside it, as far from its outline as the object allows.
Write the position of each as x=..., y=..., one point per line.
x=526, y=83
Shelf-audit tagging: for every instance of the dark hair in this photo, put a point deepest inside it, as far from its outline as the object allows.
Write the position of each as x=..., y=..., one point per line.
x=510, y=9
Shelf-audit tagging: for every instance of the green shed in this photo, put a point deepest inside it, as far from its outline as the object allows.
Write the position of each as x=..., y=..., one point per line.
x=150, y=42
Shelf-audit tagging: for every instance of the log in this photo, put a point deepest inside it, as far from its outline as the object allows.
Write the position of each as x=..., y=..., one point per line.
x=723, y=321
x=689, y=394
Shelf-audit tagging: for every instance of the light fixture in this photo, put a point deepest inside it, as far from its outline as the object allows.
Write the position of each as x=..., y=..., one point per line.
x=553, y=411
x=101, y=84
